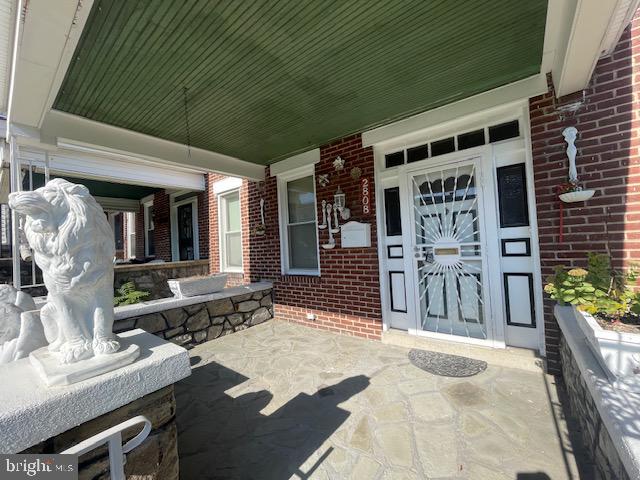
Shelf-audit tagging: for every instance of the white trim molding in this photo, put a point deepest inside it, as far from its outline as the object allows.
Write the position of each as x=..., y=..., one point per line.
x=226, y=184
x=108, y=138
x=282, y=179
x=297, y=161
x=173, y=218
x=478, y=104
x=147, y=203
x=222, y=230
x=578, y=34
x=114, y=169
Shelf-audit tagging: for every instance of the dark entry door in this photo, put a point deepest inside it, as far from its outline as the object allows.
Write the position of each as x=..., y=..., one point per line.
x=185, y=231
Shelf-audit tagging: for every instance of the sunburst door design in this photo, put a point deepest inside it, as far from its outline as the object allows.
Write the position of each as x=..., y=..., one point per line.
x=448, y=251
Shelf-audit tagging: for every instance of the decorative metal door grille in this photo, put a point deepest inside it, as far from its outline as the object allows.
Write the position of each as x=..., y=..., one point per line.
x=448, y=251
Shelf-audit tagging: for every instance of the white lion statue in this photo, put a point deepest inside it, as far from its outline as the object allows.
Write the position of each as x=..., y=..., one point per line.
x=74, y=246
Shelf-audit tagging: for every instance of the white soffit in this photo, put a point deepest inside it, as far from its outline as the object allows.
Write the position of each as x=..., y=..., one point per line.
x=310, y=157
x=7, y=16
x=622, y=16
x=50, y=33
x=588, y=30
x=513, y=92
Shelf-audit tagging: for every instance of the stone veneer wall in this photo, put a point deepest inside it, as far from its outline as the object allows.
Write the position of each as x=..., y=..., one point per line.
x=594, y=433
x=152, y=277
x=155, y=459
x=193, y=324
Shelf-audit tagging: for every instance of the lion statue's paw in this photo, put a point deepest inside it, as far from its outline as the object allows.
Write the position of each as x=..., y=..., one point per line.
x=56, y=345
x=105, y=346
x=76, y=350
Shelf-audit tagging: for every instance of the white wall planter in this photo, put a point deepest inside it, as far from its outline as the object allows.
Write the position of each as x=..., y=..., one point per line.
x=577, y=196
x=193, y=286
x=617, y=352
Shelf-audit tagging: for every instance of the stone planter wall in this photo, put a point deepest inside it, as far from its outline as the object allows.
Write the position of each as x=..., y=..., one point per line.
x=594, y=433
x=152, y=277
x=155, y=459
x=192, y=324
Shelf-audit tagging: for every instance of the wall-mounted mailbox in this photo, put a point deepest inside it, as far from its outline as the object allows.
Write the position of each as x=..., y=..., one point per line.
x=355, y=234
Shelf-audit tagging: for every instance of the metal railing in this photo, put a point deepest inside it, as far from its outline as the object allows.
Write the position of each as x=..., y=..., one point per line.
x=113, y=438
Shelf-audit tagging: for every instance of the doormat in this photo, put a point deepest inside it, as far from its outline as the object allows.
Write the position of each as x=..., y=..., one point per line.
x=446, y=365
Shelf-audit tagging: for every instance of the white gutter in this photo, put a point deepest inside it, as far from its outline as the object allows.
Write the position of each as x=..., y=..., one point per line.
x=12, y=75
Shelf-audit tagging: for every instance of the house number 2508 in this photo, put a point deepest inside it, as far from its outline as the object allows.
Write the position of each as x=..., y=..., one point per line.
x=366, y=196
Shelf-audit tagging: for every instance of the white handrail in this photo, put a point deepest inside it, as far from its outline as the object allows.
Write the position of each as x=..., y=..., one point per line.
x=117, y=451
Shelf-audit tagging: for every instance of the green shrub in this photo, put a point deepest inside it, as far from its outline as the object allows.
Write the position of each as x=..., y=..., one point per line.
x=128, y=295
x=598, y=289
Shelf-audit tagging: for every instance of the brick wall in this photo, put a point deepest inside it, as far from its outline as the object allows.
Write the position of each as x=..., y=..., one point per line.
x=607, y=160
x=140, y=233
x=346, y=297
x=203, y=221
x=162, y=225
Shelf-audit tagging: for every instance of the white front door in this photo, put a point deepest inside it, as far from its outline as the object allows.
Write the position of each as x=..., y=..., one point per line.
x=449, y=249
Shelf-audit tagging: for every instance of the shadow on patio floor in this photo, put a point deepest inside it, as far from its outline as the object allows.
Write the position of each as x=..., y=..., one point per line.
x=225, y=437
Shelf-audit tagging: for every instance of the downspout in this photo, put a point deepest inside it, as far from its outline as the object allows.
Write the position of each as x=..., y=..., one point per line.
x=14, y=163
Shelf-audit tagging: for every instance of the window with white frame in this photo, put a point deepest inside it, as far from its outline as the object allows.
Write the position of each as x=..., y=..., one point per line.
x=149, y=238
x=298, y=223
x=230, y=228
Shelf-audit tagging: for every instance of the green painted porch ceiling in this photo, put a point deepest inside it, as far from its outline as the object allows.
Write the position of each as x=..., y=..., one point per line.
x=267, y=79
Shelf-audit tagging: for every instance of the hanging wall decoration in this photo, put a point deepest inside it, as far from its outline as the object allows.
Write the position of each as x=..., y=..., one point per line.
x=323, y=179
x=332, y=241
x=323, y=225
x=356, y=173
x=571, y=191
x=262, y=227
x=338, y=164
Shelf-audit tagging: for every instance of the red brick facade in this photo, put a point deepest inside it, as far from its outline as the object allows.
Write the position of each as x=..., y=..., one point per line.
x=345, y=298
x=607, y=161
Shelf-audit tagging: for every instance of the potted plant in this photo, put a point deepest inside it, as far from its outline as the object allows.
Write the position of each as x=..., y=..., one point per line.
x=571, y=192
x=198, y=285
x=608, y=313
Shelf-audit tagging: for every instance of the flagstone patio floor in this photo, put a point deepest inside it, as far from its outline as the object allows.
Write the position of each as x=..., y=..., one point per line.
x=280, y=401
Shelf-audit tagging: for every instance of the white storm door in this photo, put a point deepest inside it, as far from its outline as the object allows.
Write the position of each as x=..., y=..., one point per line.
x=449, y=252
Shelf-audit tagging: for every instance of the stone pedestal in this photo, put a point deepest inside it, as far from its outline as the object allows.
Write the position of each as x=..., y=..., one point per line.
x=34, y=418
x=155, y=459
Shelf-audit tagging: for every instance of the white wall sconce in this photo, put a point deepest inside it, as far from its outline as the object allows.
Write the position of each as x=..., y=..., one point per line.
x=340, y=202
x=572, y=191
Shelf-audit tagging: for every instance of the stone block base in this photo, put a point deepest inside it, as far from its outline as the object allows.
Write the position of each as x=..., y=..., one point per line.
x=155, y=459
x=593, y=431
